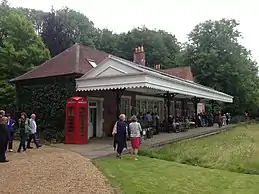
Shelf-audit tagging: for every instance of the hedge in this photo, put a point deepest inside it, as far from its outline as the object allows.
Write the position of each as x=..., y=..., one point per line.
x=46, y=97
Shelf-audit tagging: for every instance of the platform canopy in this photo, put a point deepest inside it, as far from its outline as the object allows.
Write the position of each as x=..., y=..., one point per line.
x=117, y=73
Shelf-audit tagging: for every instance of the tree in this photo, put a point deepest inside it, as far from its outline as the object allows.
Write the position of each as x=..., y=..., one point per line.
x=54, y=35
x=107, y=41
x=64, y=27
x=78, y=26
x=160, y=47
x=20, y=50
x=219, y=61
x=35, y=16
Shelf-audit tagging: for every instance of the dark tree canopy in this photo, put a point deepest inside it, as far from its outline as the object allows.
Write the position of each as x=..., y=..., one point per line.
x=160, y=46
x=220, y=62
x=65, y=27
x=54, y=34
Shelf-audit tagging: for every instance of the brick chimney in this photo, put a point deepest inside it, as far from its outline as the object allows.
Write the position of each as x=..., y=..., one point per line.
x=157, y=67
x=139, y=56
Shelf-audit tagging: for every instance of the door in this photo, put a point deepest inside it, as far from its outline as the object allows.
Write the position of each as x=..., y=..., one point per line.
x=92, y=119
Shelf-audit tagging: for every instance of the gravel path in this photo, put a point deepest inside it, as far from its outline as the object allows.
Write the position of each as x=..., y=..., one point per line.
x=51, y=170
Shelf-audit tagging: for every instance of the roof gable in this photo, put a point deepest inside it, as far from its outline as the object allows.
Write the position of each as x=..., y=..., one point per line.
x=110, y=67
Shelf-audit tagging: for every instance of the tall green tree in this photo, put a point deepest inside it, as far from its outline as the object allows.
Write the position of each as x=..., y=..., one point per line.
x=35, y=16
x=220, y=62
x=160, y=47
x=78, y=26
x=64, y=27
x=54, y=34
x=20, y=50
x=107, y=41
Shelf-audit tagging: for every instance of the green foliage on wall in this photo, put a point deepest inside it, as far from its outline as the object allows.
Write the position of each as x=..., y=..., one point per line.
x=46, y=98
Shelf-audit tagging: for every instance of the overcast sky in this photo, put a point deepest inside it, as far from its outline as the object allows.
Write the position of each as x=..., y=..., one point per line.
x=177, y=17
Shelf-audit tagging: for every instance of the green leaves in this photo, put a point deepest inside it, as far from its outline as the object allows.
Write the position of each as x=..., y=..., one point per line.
x=64, y=27
x=20, y=50
x=7, y=97
x=41, y=97
x=160, y=47
x=220, y=62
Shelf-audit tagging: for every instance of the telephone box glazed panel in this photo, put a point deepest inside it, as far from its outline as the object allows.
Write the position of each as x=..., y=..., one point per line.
x=76, y=131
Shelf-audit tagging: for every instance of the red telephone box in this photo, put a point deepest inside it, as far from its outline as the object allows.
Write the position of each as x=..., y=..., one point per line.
x=76, y=131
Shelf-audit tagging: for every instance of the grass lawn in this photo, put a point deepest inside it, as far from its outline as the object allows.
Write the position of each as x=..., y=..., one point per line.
x=235, y=150
x=159, y=176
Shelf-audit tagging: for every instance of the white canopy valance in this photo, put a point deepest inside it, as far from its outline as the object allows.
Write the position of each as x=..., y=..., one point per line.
x=116, y=73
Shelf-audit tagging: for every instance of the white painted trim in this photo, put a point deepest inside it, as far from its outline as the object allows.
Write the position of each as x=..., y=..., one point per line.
x=140, y=97
x=95, y=99
x=126, y=97
x=162, y=75
x=112, y=68
x=148, y=78
x=99, y=116
x=179, y=88
x=92, y=102
x=106, y=83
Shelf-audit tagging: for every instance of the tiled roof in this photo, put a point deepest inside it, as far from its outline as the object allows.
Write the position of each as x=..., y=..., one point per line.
x=80, y=59
x=182, y=72
x=73, y=60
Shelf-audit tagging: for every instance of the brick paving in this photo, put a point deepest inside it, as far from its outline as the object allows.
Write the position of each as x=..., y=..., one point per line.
x=101, y=147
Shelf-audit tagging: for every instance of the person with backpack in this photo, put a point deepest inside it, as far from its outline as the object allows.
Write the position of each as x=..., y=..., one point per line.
x=24, y=127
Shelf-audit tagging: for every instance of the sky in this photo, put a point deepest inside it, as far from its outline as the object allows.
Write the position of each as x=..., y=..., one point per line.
x=177, y=17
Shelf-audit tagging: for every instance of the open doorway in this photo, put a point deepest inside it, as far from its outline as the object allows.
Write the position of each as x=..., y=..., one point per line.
x=92, y=119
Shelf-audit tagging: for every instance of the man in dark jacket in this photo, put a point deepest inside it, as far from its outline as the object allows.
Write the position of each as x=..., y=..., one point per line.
x=4, y=138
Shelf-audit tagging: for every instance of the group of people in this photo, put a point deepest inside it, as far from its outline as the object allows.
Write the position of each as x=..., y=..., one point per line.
x=27, y=132
x=120, y=131
x=222, y=119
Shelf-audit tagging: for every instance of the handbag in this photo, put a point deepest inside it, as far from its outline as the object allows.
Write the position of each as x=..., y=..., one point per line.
x=141, y=139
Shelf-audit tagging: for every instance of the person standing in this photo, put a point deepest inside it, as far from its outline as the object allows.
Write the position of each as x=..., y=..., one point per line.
x=10, y=126
x=33, y=133
x=24, y=123
x=219, y=119
x=120, y=135
x=4, y=138
x=135, y=135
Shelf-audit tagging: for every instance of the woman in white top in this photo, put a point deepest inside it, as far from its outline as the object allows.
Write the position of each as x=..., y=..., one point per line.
x=135, y=134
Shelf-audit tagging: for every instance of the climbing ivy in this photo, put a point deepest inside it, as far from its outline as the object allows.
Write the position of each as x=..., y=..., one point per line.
x=46, y=98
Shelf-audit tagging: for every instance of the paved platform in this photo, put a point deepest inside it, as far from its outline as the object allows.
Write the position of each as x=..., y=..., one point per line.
x=104, y=147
